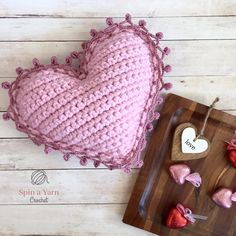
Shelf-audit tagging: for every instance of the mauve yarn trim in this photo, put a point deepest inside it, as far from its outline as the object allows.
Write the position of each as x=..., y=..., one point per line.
x=160, y=69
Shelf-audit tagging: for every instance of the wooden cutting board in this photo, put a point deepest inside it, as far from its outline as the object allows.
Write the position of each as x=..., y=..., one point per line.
x=155, y=193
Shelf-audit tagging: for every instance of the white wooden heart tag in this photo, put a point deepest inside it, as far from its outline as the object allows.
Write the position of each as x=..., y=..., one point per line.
x=189, y=144
x=185, y=147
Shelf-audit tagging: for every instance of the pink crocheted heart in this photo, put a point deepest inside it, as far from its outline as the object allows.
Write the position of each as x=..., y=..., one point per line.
x=100, y=111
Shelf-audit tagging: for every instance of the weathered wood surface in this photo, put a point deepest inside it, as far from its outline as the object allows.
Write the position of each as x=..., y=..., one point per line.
x=116, y=8
x=81, y=220
x=202, y=37
x=74, y=29
x=188, y=58
x=69, y=186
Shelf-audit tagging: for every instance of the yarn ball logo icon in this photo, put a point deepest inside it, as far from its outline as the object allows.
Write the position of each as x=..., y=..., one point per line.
x=39, y=177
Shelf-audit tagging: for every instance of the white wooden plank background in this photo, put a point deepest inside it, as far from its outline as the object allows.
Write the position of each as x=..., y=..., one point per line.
x=74, y=29
x=189, y=58
x=202, y=36
x=101, y=8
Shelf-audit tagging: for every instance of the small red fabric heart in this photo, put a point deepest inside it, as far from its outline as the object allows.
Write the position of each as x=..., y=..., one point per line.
x=176, y=220
x=232, y=158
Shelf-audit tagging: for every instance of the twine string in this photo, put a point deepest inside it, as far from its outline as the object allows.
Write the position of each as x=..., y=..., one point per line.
x=211, y=107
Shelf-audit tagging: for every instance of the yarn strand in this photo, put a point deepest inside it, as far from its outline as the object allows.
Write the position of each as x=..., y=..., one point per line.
x=211, y=107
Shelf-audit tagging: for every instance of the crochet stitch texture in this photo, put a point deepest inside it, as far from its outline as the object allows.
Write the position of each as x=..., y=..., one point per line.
x=100, y=111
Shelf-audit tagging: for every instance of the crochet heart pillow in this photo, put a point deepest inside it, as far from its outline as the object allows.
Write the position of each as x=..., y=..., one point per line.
x=101, y=109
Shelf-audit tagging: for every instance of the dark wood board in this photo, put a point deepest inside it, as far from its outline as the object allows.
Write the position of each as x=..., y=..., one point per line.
x=155, y=193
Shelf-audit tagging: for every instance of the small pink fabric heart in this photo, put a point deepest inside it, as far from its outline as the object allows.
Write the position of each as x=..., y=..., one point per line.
x=100, y=111
x=181, y=173
x=224, y=197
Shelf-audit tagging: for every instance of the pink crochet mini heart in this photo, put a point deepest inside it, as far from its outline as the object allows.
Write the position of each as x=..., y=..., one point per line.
x=101, y=110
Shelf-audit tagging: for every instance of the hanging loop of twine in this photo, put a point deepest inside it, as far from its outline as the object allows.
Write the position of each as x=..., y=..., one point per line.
x=211, y=107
